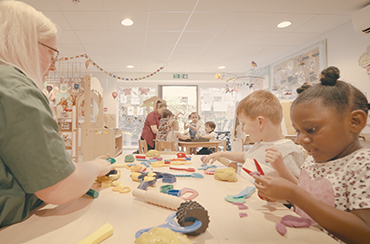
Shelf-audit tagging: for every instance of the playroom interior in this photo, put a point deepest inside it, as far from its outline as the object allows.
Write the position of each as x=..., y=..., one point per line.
x=200, y=56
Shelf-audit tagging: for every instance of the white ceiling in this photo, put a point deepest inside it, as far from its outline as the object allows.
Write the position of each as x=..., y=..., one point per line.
x=190, y=36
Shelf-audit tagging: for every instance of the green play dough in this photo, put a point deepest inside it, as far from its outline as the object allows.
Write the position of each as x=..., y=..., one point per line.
x=129, y=158
x=230, y=198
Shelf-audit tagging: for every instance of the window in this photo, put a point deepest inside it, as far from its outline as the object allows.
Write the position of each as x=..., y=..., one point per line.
x=131, y=116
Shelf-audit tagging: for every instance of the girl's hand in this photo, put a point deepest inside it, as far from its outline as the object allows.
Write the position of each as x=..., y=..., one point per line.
x=274, y=157
x=274, y=188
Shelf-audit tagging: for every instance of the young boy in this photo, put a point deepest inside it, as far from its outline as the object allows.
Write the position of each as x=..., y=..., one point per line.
x=210, y=134
x=260, y=114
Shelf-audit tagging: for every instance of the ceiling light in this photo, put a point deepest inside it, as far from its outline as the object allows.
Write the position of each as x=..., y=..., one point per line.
x=127, y=22
x=130, y=66
x=221, y=67
x=284, y=24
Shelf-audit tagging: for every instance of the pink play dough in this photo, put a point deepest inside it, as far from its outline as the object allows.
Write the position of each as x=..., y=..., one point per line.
x=293, y=221
x=281, y=229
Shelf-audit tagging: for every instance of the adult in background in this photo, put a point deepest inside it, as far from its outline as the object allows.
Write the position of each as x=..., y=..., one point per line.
x=34, y=166
x=151, y=123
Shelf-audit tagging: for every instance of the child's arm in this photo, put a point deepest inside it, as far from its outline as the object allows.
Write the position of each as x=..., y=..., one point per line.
x=275, y=158
x=186, y=126
x=209, y=136
x=76, y=184
x=350, y=227
x=233, y=156
x=182, y=136
x=177, y=115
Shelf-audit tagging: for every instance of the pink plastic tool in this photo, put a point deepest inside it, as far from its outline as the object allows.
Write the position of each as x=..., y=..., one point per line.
x=184, y=169
x=193, y=192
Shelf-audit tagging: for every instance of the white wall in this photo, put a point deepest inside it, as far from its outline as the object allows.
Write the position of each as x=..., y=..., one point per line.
x=344, y=47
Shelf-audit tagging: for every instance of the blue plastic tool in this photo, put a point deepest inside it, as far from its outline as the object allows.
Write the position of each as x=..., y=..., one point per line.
x=205, y=166
x=173, y=225
x=245, y=193
x=195, y=175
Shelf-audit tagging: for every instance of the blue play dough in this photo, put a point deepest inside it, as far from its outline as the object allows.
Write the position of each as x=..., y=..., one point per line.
x=230, y=198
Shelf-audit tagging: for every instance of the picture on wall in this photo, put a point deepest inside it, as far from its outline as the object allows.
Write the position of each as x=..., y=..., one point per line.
x=303, y=67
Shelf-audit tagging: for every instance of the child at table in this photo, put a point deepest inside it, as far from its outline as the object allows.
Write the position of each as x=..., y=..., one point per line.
x=210, y=134
x=174, y=134
x=334, y=185
x=163, y=128
x=194, y=125
x=260, y=114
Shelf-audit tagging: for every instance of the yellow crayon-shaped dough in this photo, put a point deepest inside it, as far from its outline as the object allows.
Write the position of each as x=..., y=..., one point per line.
x=98, y=236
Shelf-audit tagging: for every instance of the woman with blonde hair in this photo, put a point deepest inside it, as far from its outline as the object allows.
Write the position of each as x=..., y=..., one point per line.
x=34, y=166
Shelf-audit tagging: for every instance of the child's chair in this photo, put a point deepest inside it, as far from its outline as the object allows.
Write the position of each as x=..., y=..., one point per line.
x=161, y=145
x=143, y=146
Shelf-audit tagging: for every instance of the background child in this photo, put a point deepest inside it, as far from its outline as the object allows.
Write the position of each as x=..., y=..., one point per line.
x=210, y=134
x=194, y=125
x=334, y=184
x=174, y=134
x=260, y=114
x=163, y=128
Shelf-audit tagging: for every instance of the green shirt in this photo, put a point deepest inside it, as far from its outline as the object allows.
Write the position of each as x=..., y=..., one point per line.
x=32, y=154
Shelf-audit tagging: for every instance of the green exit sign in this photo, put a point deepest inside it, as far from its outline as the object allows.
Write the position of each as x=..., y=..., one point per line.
x=180, y=76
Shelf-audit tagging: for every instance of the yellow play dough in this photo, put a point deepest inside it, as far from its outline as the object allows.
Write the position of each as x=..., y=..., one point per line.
x=98, y=236
x=152, y=153
x=163, y=236
x=227, y=174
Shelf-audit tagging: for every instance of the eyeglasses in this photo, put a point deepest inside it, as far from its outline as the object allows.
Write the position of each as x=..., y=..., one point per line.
x=56, y=51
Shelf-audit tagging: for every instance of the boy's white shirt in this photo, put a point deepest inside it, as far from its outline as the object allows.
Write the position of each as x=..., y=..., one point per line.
x=293, y=157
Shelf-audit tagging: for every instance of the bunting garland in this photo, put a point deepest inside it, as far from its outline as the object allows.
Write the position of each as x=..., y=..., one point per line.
x=89, y=61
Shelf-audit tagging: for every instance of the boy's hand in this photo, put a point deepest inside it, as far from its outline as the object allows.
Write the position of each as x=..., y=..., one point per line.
x=274, y=157
x=274, y=188
x=212, y=158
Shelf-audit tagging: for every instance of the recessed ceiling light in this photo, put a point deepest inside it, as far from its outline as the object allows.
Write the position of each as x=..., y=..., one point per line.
x=127, y=22
x=130, y=66
x=284, y=24
x=221, y=67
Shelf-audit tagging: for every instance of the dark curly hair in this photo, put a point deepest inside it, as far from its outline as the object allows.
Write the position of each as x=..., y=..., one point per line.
x=334, y=93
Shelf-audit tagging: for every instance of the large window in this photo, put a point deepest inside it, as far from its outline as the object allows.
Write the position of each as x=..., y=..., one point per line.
x=219, y=107
x=131, y=116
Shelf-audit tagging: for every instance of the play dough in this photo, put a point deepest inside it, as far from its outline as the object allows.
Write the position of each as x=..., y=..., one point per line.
x=129, y=158
x=163, y=236
x=152, y=153
x=297, y=222
x=281, y=228
x=227, y=174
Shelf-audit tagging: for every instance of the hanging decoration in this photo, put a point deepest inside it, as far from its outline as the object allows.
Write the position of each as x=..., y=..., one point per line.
x=114, y=95
x=232, y=77
x=364, y=60
x=89, y=61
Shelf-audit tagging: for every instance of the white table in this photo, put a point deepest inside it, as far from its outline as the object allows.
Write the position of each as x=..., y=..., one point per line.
x=71, y=223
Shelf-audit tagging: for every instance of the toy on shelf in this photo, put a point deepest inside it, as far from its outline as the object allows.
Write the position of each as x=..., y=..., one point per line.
x=192, y=219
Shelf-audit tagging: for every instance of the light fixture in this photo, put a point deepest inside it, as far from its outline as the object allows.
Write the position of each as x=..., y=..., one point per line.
x=221, y=67
x=127, y=22
x=284, y=24
x=130, y=66
x=77, y=2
